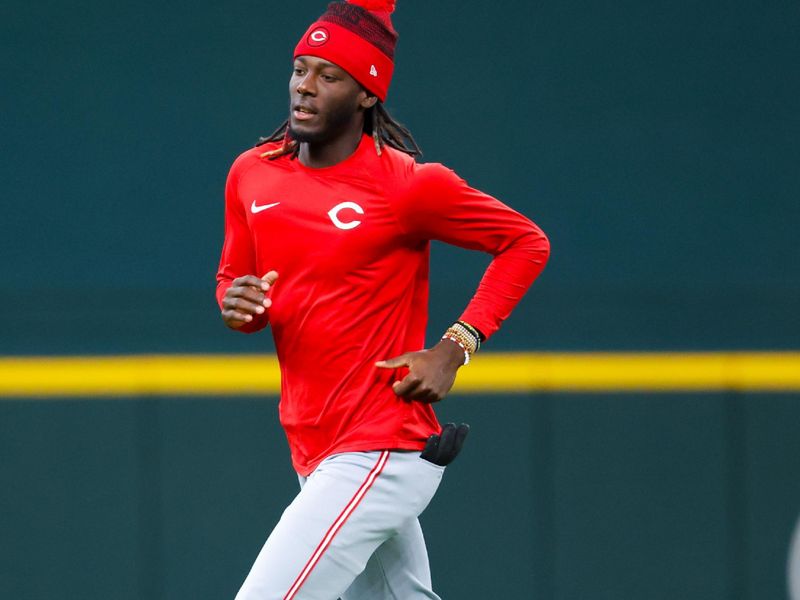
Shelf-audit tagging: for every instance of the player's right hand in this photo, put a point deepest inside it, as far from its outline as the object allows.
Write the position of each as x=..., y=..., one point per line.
x=247, y=299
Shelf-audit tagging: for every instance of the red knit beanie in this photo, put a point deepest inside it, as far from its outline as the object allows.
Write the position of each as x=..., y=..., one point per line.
x=358, y=36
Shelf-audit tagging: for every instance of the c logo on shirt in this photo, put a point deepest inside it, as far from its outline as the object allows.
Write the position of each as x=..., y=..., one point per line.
x=334, y=215
x=318, y=37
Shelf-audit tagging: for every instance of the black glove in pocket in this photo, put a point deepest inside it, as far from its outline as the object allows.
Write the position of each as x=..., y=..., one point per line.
x=442, y=449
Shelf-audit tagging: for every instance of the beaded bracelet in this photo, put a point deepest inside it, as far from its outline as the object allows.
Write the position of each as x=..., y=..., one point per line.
x=452, y=338
x=478, y=335
x=465, y=335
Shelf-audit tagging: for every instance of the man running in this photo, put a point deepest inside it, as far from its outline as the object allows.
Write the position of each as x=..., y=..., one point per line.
x=328, y=224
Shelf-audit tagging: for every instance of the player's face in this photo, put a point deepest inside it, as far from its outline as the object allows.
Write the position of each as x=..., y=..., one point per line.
x=324, y=100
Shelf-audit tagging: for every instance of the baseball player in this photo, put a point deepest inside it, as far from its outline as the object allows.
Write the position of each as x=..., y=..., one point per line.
x=328, y=224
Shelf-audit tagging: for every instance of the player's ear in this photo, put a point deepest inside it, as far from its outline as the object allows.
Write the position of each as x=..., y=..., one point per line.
x=368, y=101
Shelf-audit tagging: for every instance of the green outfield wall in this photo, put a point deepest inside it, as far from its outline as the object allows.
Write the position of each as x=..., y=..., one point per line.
x=656, y=143
x=689, y=496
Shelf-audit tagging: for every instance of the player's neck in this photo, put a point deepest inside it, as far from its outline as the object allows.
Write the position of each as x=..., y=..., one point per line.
x=330, y=152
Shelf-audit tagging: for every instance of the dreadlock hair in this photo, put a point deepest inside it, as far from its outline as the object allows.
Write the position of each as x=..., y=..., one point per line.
x=378, y=123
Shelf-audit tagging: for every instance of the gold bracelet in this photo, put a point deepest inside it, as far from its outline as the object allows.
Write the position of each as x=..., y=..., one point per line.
x=464, y=334
x=473, y=331
x=453, y=339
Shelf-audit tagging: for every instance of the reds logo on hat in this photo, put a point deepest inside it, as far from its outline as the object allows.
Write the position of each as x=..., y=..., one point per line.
x=318, y=37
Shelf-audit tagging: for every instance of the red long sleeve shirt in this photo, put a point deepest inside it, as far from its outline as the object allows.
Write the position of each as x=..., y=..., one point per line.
x=351, y=245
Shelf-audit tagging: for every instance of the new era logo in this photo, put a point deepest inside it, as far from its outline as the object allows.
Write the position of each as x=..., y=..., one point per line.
x=373, y=71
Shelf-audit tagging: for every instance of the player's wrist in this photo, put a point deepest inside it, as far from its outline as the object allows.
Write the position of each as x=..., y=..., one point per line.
x=466, y=337
x=479, y=337
x=457, y=355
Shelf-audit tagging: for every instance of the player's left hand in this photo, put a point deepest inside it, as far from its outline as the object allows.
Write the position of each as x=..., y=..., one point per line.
x=431, y=373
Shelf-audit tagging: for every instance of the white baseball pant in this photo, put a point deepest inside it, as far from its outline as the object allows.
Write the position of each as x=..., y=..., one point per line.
x=351, y=533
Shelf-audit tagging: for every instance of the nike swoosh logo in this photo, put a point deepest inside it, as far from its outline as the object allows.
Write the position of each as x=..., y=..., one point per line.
x=257, y=209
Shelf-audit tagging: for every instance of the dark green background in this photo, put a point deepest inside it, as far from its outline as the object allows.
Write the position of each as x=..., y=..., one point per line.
x=555, y=497
x=657, y=145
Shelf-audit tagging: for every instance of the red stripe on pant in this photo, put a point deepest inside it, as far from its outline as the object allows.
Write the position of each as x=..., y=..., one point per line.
x=337, y=525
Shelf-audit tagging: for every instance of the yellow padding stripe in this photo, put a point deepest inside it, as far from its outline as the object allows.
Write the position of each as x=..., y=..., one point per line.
x=200, y=375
